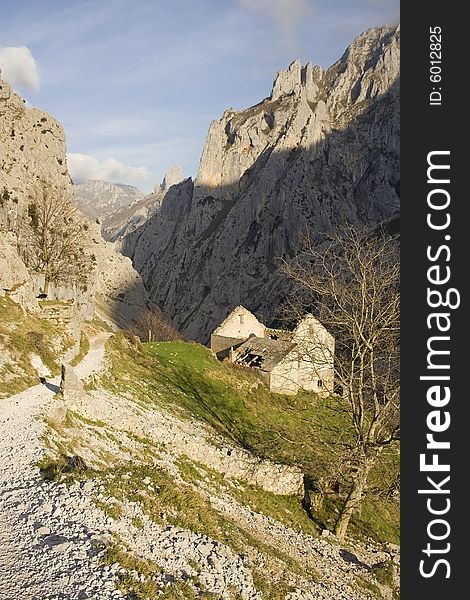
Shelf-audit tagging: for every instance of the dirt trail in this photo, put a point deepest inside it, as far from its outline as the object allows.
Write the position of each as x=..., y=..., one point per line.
x=46, y=551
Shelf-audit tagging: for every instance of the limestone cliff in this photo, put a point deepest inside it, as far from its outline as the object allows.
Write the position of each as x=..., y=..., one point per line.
x=321, y=150
x=32, y=148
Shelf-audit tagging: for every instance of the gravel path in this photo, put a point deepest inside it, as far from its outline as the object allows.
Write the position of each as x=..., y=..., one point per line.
x=94, y=360
x=47, y=551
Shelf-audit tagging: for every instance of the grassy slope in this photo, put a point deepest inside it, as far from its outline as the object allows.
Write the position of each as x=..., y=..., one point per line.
x=302, y=430
x=142, y=480
x=21, y=335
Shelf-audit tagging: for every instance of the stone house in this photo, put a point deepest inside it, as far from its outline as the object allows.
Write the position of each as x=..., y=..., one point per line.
x=284, y=360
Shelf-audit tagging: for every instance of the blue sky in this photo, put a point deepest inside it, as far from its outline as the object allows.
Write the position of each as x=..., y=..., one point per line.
x=136, y=82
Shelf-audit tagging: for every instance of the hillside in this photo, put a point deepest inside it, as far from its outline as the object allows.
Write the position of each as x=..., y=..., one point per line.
x=135, y=471
x=322, y=150
x=171, y=494
x=33, y=160
x=98, y=199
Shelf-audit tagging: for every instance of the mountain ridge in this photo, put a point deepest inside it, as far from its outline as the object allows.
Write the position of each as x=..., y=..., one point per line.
x=321, y=150
x=119, y=207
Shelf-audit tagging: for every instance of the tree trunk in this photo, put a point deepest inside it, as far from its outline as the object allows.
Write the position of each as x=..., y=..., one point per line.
x=354, y=499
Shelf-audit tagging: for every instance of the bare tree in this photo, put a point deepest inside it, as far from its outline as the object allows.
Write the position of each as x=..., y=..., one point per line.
x=153, y=326
x=353, y=281
x=53, y=239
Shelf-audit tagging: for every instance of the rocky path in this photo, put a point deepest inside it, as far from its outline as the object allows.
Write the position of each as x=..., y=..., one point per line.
x=47, y=551
x=51, y=535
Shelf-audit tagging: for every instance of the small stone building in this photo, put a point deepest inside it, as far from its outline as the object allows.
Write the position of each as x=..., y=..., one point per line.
x=284, y=360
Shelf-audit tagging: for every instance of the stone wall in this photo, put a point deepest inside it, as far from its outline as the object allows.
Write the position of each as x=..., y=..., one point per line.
x=285, y=376
x=194, y=440
x=316, y=347
x=65, y=316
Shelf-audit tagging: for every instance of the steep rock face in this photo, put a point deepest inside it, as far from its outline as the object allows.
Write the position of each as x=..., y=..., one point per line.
x=322, y=150
x=15, y=279
x=32, y=147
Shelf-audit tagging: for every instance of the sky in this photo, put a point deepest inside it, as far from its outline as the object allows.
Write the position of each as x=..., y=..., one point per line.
x=136, y=83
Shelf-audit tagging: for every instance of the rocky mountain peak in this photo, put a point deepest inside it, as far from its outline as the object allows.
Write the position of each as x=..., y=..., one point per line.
x=287, y=82
x=173, y=175
x=125, y=219
x=306, y=103
x=297, y=79
x=321, y=150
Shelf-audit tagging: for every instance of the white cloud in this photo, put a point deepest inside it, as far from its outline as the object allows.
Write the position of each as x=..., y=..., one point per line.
x=19, y=67
x=83, y=166
x=286, y=14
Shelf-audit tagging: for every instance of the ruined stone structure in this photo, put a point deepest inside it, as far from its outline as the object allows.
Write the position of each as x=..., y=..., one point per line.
x=284, y=360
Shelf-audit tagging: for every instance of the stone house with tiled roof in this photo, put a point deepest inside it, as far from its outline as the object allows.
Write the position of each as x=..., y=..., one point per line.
x=284, y=360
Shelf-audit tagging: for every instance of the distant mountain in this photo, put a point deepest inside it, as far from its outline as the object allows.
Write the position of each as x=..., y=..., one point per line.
x=121, y=208
x=320, y=151
x=98, y=199
x=127, y=219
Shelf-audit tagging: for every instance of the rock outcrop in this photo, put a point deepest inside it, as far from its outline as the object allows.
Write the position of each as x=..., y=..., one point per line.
x=15, y=279
x=322, y=150
x=71, y=388
x=172, y=176
x=33, y=150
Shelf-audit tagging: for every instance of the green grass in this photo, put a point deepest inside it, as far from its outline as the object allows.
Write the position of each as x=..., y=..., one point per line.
x=62, y=467
x=379, y=519
x=302, y=430
x=111, y=509
x=364, y=584
x=83, y=351
x=21, y=335
x=51, y=303
x=182, y=506
x=285, y=509
x=101, y=325
x=271, y=590
x=137, y=522
x=185, y=377
x=128, y=584
x=167, y=503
